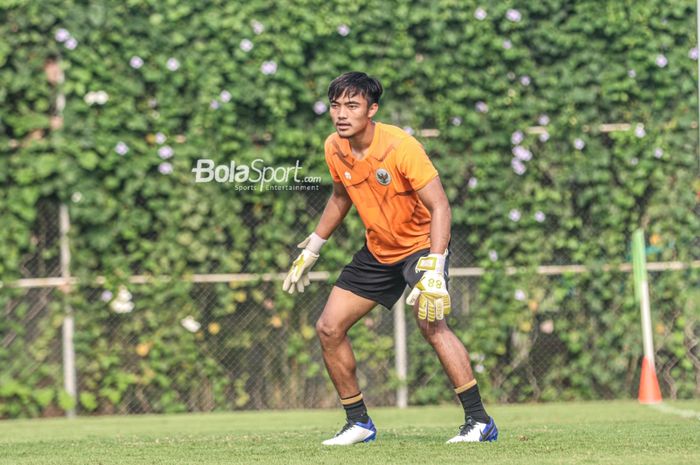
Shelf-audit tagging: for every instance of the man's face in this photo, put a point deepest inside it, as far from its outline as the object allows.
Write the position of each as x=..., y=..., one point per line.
x=350, y=115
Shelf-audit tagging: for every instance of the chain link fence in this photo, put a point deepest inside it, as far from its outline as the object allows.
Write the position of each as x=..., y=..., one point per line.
x=218, y=343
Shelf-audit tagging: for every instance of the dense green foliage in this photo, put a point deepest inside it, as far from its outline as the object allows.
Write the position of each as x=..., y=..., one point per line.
x=152, y=86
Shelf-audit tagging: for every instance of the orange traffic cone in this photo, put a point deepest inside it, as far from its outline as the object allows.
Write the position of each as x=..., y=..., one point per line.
x=649, y=392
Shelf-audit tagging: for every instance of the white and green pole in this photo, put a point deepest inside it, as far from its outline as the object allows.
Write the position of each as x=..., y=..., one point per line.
x=649, y=392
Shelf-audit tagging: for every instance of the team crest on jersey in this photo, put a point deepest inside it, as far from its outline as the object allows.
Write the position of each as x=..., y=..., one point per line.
x=383, y=177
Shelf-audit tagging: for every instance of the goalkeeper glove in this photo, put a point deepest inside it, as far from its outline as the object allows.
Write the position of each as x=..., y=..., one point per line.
x=298, y=276
x=431, y=290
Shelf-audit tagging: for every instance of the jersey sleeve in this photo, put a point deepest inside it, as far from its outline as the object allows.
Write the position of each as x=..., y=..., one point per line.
x=413, y=163
x=329, y=154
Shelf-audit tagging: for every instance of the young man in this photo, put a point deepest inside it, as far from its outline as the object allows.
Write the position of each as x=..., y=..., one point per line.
x=396, y=190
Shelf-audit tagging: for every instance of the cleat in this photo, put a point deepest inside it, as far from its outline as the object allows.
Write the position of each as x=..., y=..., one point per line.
x=352, y=433
x=473, y=431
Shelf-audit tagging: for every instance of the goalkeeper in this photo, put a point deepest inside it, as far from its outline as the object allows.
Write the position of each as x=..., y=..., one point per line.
x=387, y=175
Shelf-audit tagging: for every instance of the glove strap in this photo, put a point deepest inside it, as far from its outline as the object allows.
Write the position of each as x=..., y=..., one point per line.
x=315, y=243
x=432, y=262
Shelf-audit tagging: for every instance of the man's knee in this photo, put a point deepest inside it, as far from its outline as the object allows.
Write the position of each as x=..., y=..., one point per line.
x=328, y=332
x=432, y=331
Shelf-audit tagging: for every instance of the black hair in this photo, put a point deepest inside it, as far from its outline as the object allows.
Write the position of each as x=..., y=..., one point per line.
x=354, y=83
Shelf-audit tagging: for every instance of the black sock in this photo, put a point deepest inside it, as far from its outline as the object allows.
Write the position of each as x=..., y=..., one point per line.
x=355, y=408
x=471, y=402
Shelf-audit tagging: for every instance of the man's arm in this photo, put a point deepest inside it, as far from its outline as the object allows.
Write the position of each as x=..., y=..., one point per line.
x=337, y=207
x=433, y=197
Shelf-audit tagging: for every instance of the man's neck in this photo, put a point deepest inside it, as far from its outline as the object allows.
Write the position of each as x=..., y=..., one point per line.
x=360, y=143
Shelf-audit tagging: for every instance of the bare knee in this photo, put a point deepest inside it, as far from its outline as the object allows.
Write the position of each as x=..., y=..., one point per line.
x=328, y=332
x=433, y=331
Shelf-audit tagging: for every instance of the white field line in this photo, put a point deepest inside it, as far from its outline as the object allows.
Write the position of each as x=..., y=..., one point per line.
x=685, y=413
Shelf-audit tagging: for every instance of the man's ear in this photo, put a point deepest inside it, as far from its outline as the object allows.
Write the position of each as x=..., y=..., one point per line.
x=373, y=109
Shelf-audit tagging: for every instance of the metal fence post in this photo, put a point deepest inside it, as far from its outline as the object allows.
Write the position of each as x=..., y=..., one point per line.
x=69, y=371
x=401, y=351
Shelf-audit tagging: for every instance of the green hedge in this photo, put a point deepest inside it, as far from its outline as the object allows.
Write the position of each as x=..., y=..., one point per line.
x=185, y=72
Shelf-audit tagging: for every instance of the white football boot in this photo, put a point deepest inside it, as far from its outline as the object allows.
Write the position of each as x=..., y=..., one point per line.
x=352, y=433
x=474, y=431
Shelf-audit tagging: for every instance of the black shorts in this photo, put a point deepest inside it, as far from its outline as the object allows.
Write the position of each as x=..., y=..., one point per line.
x=384, y=284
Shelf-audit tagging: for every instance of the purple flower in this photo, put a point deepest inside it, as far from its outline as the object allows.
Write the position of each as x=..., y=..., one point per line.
x=516, y=137
x=543, y=137
x=513, y=15
x=456, y=121
x=658, y=152
x=472, y=183
x=160, y=138
x=246, y=45
x=190, y=324
x=106, y=296
x=579, y=144
x=268, y=67
x=693, y=53
x=631, y=73
x=101, y=97
x=481, y=107
x=543, y=120
x=539, y=216
x=639, y=131
x=71, y=43
x=172, y=64
x=520, y=295
x=320, y=107
x=121, y=148
x=547, y=326
x=493, y=255
x=214, y=105
x=507, y=44
x=258, y=27
x=165, y=168
x=62, y=35
x=525, y=80
x=514, y=215
x=661, y=60
x=480, y=14
x=519, y=168
x=343, y=30
x=165, y=152
x=225, y=96
x=409, y=130
x=136, y=62
x=521, y=153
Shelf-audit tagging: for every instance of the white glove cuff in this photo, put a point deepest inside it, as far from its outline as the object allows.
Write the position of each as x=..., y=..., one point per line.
x=432, y=262
x=315, y=243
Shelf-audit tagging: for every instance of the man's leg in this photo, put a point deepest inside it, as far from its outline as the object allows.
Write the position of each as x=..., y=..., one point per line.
x=455, y=361
x=343, y=309
x=449, y=349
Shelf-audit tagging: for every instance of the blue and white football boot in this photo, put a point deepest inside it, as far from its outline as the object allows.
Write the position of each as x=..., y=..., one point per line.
x=474, y=431
x=352, y=433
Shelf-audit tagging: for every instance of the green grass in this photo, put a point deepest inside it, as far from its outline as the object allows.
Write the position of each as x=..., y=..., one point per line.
x=621, y=432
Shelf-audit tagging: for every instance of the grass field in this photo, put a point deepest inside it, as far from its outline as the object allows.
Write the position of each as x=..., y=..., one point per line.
x=620, y=432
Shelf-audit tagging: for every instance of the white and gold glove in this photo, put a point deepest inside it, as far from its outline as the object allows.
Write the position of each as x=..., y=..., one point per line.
x=431, y=290
x=298, y=276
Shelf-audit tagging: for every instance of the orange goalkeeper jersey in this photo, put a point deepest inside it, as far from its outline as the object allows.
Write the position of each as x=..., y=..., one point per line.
x=383, y=188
